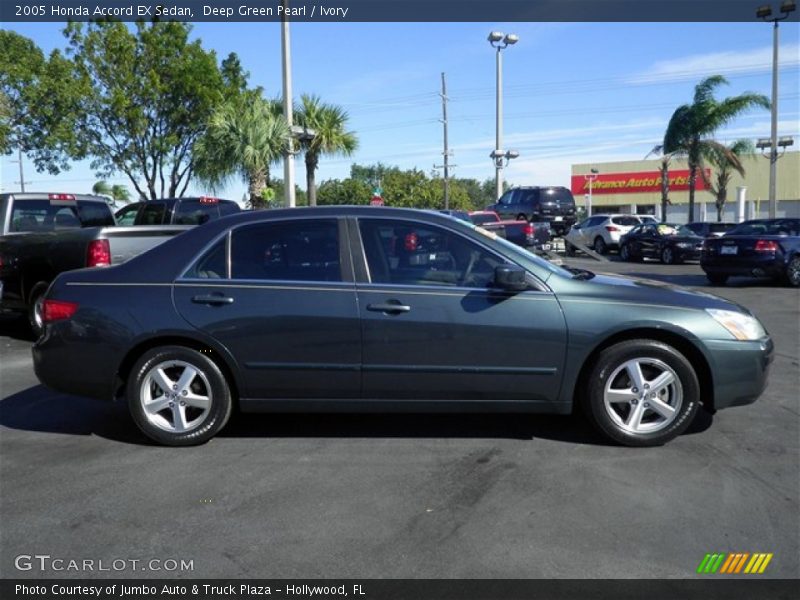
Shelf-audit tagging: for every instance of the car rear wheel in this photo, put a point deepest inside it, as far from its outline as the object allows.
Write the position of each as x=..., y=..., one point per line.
x=626, y=254
x=717, y=278
x=36, y=308
x=569, y=249
x=642, y=393
x=793, y=272
x=600, y=245
x=178, y=396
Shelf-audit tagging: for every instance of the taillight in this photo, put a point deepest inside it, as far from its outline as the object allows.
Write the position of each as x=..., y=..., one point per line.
x=61, y=196
x=98, y=254
x=612, y=229
x=766, y=246
x=208, y=200
x=57, y=310
x=529, y=229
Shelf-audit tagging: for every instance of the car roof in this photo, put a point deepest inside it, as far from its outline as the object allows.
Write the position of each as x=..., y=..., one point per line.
x=22, y=196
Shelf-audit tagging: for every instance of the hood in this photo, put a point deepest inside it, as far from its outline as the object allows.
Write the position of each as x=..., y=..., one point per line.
x=621, y=288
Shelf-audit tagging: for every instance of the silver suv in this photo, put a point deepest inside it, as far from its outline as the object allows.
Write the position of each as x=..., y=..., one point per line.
x=600, y=232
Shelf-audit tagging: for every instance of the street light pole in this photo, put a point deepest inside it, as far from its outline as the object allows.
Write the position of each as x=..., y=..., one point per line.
x=288, y=160
x=590, y=178
x=500, y=42
x=765, y=13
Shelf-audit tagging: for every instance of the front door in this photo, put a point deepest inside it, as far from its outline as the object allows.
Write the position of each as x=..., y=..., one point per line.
x=433, y=329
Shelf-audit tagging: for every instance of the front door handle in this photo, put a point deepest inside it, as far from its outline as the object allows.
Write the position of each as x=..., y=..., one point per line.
x=392, y=307
x=212, y=299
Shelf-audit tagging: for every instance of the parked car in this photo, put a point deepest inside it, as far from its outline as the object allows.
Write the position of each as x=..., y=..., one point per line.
x=669, y=242
x=757, y=248
x=554, y=205
x=599, y=232
x=533, y=236
x=46, y=234
x=380, y=309
x=647, y=218
x=705, y=229
x=176, y=211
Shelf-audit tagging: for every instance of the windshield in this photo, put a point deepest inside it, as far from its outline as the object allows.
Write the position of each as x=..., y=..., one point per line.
x=671, y=229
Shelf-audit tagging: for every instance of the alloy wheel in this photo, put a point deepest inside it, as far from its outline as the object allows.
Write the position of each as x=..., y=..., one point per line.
x=175, y=396
x=643, y=395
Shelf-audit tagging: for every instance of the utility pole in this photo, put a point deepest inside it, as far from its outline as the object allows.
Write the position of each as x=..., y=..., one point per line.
x=288, y=160
x=446, y=152
x=21, y=181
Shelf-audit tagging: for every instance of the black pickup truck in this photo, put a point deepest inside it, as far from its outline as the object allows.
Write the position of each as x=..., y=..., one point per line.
x=176, y=211
x=42, y=235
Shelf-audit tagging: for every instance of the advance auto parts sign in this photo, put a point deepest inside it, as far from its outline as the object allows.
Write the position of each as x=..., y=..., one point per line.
x=636, y=183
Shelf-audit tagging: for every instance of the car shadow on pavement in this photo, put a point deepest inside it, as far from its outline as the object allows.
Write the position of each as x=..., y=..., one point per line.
x=38, y=409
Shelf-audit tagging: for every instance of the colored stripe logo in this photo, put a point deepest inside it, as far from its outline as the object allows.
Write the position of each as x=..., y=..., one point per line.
x=734, y=563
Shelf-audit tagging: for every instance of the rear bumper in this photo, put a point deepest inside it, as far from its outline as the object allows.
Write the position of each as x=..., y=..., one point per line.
x=769, y=266
x=739, y=370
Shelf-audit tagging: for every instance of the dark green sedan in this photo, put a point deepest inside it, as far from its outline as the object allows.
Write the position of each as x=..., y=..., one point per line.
x=378, y=309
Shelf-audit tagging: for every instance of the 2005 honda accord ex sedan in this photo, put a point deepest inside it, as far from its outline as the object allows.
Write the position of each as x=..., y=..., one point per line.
x=379, y=309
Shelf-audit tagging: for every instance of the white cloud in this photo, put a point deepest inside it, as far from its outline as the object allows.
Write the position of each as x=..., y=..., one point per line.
x=731, y=61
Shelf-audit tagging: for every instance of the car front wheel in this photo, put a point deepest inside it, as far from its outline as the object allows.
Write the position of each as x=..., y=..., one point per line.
x=668, y=256
x=178, y=396
x=642, y=393
x=600, y=245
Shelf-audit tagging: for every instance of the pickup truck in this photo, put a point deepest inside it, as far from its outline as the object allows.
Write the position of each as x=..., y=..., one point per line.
x=42, y=235
x=534, y=236
x=176, y=211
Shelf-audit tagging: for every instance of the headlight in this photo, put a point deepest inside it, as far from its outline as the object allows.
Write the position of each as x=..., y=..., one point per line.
x=740, y=325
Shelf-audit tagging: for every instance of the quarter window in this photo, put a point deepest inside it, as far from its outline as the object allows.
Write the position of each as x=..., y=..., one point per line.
x=407, y=253
x=305, y=250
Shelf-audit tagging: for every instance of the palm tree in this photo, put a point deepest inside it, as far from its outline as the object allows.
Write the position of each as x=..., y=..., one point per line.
x=663, y=169
x=692, y=125
x=101, y=188
x=120, y=192
x=244, y=137
x=726, y=163
x=330, y=138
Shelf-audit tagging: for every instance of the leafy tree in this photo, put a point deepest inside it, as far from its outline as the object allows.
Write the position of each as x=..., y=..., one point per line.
x=35, y=102
x=692, y=125
x=145, y=97
x=330, y=137
x=278, y=201
x=372, y=175
x=344, y=191
x=243, y=138
x=102, y=188
x=726, y=163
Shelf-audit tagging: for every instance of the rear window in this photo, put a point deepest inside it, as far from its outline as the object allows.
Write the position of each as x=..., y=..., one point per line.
x=625, y=221
x=769, y=227
x=717, y=227
x=49, y=215
x=557, y=194
x=197, y=212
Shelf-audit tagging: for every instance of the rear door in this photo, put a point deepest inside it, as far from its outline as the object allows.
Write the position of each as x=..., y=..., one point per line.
x=279, y=295
x=433, y=329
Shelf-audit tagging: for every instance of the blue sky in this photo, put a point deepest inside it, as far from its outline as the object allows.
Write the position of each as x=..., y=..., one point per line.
x=574, y=92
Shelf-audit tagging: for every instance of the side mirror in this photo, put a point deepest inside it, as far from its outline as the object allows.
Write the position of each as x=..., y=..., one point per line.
x=510, y=277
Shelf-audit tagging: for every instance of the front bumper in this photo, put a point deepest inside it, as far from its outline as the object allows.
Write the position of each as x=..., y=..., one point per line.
x=739, y=370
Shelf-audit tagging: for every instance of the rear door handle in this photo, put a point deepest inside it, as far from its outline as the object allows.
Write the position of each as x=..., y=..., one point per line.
x=392, y=307
x=212, y=299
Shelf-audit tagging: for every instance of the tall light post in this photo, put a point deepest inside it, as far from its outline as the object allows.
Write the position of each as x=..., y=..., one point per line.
x=500, y=42
x=593, y=173
x=288, y=159
x=765, y=13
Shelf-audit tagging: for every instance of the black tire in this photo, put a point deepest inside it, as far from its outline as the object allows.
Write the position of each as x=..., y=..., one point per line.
x=625, y=253
x=35, y=303
x=655, y=428
x=717, y=278
x=569, y=249
x=599, y=245
x=668, y=256
x=209, y=381
x=793, y=272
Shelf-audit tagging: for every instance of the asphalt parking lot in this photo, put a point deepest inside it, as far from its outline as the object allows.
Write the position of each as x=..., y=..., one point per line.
x=415, y=496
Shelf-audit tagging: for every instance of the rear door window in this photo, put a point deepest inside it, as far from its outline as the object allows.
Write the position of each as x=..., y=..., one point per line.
x=153, y=213
x=193, y=211
x=296, y=250
x=625, y=221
